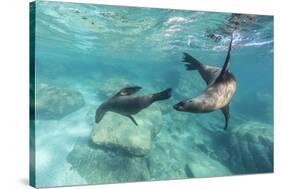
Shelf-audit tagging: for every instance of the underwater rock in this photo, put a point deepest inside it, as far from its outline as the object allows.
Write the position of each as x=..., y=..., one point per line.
x=120, y=133
x=166, y=160
x=201, y=165
x=53, y=103
x=251, y=146
x=100, y=166
x=175, y=154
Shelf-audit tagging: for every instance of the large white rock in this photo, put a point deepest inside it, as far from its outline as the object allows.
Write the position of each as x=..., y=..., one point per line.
x=119, y=132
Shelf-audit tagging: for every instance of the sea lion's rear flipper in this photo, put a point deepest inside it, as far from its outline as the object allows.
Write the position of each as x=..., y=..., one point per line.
x=163, y=95
x=192, y=63
x=127, y=91
x=208, y=73
x=226, y=63
x=225, y=111
x=133, y=119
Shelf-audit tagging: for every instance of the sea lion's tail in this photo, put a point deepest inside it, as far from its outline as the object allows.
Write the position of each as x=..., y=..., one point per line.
x=192, y=63
x=163, y=95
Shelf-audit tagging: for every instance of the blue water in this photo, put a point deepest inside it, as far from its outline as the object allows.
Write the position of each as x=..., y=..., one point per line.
x=96, y=50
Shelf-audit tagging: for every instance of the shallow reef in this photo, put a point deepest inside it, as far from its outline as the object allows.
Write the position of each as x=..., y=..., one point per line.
x=165, y=145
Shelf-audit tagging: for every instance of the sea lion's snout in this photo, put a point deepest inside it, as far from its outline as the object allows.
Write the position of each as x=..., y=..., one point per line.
x=179, y=106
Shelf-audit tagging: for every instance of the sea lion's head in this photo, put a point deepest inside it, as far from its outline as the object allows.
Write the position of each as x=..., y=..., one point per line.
x=189, y=105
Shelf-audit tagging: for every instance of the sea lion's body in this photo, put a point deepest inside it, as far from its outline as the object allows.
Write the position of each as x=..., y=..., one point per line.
x=125, y=104
x=221, y=86
x=218, y=94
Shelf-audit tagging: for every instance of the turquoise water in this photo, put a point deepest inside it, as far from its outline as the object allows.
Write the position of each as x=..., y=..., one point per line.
x=97, y=50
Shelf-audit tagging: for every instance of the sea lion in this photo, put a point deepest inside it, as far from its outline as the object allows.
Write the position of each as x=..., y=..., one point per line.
x=221, y=87
x=125, y=104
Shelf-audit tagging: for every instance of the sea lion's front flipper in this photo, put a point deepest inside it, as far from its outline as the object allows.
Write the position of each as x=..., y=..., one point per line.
x=100, y=112
x=133, y=120
x=226, y=63
x=225, y=111
x=127, y=91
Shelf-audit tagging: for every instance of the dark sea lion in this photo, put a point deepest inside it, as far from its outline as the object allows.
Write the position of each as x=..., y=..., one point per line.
x=221, y=87
x=127, y=105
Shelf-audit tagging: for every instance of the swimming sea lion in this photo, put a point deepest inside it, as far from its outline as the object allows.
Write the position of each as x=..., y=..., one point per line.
x=221, y=87
x=125, y=104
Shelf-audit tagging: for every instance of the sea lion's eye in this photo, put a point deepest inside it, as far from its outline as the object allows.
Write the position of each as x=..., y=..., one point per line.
x=190, y=101
x=123, y=93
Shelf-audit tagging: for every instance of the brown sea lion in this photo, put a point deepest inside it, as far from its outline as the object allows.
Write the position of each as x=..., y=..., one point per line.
x=221, y=87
